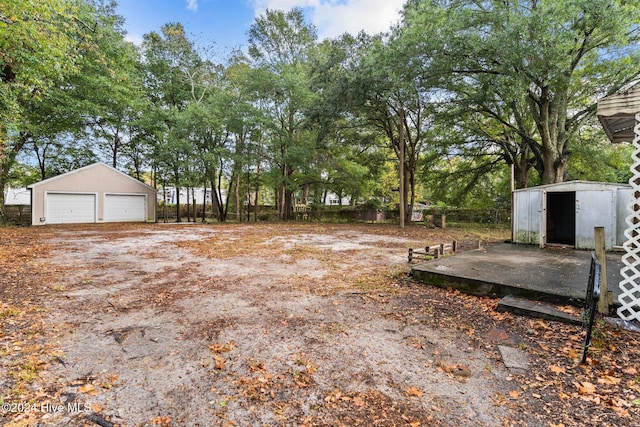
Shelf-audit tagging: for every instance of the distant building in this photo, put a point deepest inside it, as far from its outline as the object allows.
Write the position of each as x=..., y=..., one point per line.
x=92, y=194
x=170, y=195
x=17, y=196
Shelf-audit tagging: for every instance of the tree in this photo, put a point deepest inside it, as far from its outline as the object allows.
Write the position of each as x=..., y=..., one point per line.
x=169, y=60
x=527, y=65
x=279, y=44
x=243, y=119
x=385, y=95
x=40, y=43
x=112, y=88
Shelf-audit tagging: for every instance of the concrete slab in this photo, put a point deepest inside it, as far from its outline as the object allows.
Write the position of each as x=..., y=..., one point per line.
x=557, y=275
x=536, y=309
x=514, y=358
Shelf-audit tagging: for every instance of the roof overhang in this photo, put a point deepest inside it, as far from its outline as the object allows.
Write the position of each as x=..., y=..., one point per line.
x=617, y=114
x=618, y=128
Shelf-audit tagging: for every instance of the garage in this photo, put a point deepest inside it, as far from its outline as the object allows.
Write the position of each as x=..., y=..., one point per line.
x=92, y=194
x=124, y=207
x=70, y=208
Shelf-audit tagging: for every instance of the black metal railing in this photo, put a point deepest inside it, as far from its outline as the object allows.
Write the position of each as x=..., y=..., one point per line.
x=591, y=303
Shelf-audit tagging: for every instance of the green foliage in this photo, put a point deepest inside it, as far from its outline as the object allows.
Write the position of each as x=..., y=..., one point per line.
x=280, y=44
x=465, y=88
x=529, y=70
x=593, y=158
x=41, y=44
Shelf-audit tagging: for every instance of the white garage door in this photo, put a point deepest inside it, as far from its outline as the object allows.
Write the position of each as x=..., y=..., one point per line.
x=125, y=208
x=67, y=208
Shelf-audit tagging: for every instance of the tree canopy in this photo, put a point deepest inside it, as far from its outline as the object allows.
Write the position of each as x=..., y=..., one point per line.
x=452, y=96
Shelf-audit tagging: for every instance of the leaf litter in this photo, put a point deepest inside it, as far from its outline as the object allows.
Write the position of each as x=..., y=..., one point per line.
x=277, y=324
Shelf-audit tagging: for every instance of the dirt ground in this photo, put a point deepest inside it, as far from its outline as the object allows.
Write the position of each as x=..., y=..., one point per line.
x=279, y=324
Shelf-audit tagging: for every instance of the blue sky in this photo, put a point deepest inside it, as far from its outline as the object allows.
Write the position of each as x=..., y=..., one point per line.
x=226, y=22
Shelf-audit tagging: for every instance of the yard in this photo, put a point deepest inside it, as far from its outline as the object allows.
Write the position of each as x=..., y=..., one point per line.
x=279, y=324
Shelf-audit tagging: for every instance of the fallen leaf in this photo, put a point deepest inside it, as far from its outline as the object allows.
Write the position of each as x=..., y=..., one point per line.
x=162, y=421
x=222, y=348
x=557, y=369
x=96, y=407
x=609, y=380
x=414, y=391
x=88, y=389
x=514, y=394
x=219, y=362
x=573, y=353
x=586, y=387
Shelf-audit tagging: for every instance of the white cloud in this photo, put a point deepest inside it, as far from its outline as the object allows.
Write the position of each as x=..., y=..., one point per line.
x=335, y=17
x=192, y=5
x=134, y=38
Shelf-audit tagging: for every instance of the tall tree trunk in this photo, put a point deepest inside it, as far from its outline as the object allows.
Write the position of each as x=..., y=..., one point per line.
x=204, y=203
x=215, y=200
x=555, y=166
x=281, y=204
x=288, y=204
x=8, y=155
x=521, y=165
x=255, y=211
x=177, y=184
x=225, y=205
x=411, y=173
x=188, y=205
x=549, y=119
x=4, y=182
x=236, y=192
x=164, y=198
x=257, y=193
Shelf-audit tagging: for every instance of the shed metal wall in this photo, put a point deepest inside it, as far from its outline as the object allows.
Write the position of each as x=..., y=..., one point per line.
x=527, y=208
x=597, y=205
x=595, y=209
x=625, y=197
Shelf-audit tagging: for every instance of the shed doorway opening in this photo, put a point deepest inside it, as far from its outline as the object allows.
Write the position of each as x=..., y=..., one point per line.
x=561, y=218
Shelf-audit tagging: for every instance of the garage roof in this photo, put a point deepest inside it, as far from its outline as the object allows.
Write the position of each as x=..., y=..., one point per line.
x=617, y=113
x=88, y=168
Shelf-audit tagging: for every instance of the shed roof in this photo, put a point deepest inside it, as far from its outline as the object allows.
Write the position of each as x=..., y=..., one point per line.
x=577, y=186
x=88, y=169
x=617, y=113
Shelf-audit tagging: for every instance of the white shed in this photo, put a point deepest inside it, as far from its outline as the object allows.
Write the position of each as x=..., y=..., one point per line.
x=94, y=193
x=566, y=213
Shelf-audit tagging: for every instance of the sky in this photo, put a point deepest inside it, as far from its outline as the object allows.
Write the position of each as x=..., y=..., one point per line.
x=225, y=22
